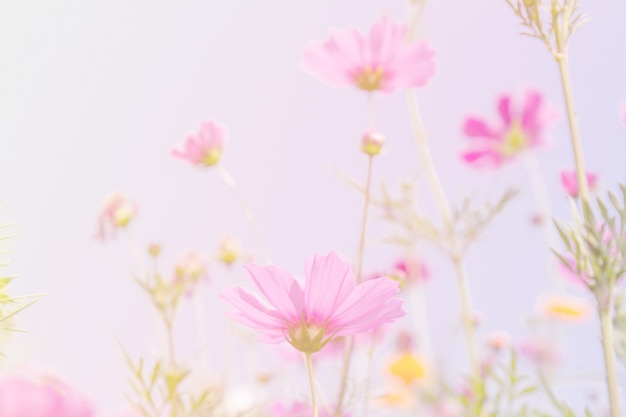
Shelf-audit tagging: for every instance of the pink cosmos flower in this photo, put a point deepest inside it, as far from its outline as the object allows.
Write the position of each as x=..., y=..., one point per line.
x=522, y=126
x=569, y=181
x=380, y=61
x=21, y=396
x=541, y=352
x=203, y=148
x=331, y=303
x=117, y=211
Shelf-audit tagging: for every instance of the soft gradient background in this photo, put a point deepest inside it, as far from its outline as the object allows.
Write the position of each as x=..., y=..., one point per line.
x=94, y=94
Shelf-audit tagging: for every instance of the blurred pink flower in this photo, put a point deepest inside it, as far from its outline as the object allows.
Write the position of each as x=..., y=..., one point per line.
x=412, y=270
x=22, y=396
x=331, y=304
x=407, y=270
x=569, y=181
x=382, y=60
x=190, y=268
x=522, y=127
x=541, y=352
x=296, y=409
x=117, y=211
x=203, y=148
x=499, y=340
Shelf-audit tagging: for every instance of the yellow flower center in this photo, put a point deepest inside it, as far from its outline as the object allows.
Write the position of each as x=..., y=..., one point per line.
x=514, y=141
x=308, y=338
x=369, y=80
x=212, y=157
x=566, y=310
x=123, y=215
x=408, y=368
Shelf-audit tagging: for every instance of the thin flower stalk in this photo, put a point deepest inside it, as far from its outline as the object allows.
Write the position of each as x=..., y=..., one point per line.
x=423, y=152
x=349, y=344
x=230, y=182
x=309, y=368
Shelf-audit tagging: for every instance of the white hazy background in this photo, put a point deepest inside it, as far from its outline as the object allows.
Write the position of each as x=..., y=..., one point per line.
x=93, y=94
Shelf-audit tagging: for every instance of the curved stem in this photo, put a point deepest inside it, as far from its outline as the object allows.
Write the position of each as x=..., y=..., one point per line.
x=309, y=368
x=566, y=83
x=428, y=166
x=349, y=345
x=363, y=232
x=230, y=181
x=608, y=347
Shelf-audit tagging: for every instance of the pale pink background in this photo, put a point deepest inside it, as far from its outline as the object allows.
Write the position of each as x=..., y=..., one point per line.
x=94, y=94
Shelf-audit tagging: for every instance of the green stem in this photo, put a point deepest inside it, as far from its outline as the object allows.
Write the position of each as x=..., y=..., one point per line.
x=347, y=358
x=363, y=232
x=309, y=368
x=441, y=200
x=608, y=347
x=566, y=83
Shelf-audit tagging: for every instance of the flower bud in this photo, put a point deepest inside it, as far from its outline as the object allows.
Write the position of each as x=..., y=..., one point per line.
x=229, y=250
x=372, y=142
x=154, y=250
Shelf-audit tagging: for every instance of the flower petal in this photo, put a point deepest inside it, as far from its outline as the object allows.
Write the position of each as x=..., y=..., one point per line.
x=329, y=281
x=366, y=307
x=281, y=290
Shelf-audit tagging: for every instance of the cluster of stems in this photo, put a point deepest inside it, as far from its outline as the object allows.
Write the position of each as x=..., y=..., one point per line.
x=553, y=22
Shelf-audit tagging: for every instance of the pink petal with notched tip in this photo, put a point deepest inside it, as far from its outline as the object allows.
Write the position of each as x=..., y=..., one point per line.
x=329, y=281
x=280, y=289
x=363, y=307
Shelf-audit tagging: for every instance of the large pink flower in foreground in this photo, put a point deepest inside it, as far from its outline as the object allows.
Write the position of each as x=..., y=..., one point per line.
x=331, y=303
x=381, y=60
x=26, y=397
x=522, y=126
x=569, y=181
x=204, y=147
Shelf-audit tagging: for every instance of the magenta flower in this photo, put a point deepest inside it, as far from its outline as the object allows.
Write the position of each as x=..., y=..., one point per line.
x=569, y=181
x=331, y=303
x=522, y=126
x=382, y=60
x=203, y=148
x=47, y=397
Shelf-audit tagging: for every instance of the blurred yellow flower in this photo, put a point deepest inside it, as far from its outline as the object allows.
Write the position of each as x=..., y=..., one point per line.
x=564, y=307
x=400, y=397
x=408, y=368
